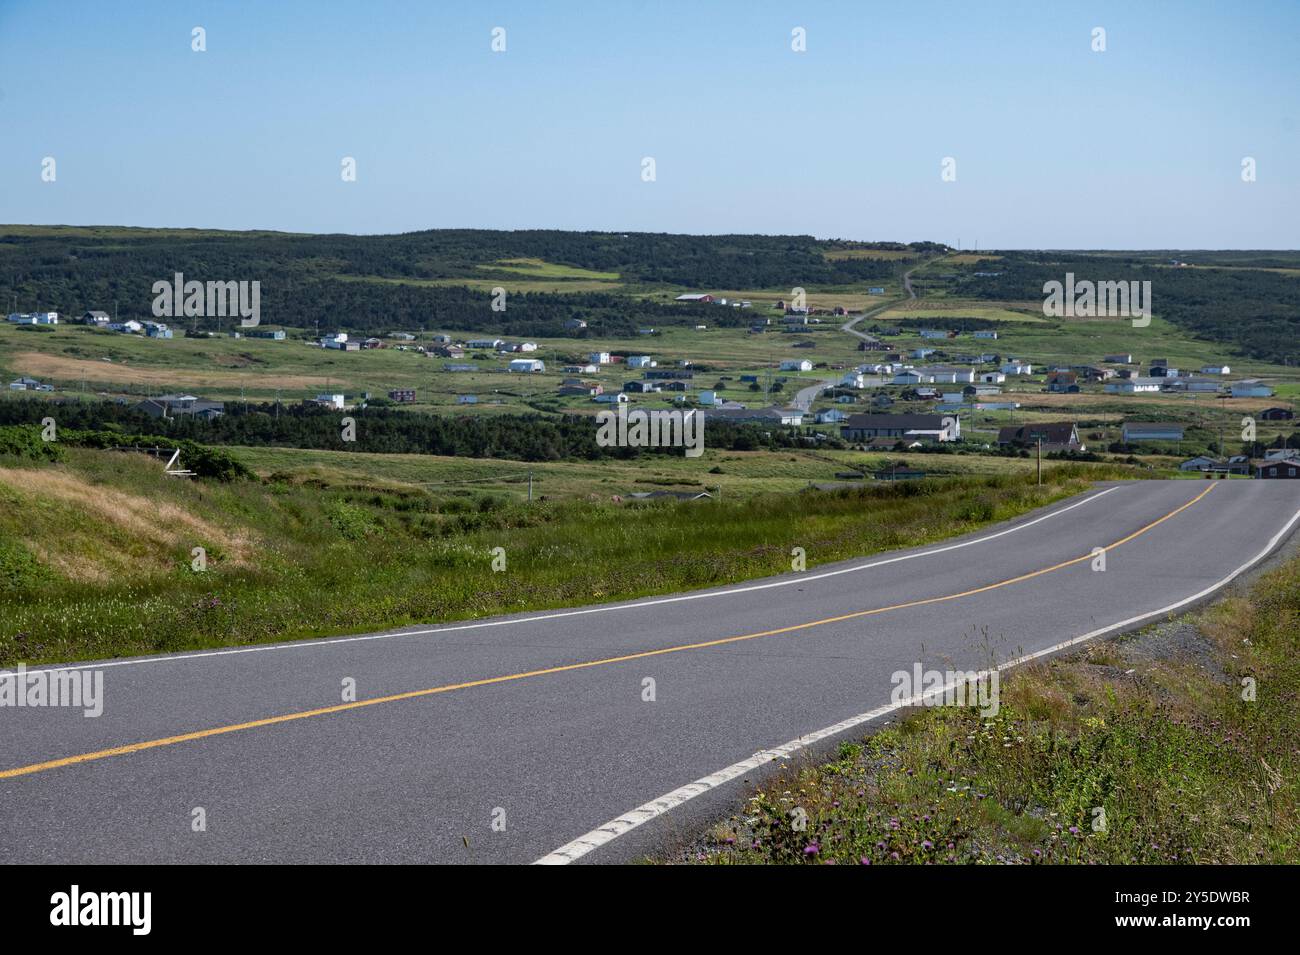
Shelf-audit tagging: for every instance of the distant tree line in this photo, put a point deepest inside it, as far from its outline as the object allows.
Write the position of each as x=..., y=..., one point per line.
x=528, y=437
x=310, y=279
x=1254, y=312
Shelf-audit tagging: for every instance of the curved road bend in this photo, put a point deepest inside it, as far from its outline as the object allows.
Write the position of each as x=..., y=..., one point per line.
x=542, y=715
x=907, y=287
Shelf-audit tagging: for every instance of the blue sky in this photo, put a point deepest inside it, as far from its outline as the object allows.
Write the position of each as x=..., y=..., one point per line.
x=1055, y=145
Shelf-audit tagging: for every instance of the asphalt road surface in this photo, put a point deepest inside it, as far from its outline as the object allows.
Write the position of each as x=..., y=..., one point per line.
x=541, y=723
x=804, y=398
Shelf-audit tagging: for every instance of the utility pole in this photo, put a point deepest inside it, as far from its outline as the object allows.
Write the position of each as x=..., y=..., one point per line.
x=530, y=487
x=1040, y=460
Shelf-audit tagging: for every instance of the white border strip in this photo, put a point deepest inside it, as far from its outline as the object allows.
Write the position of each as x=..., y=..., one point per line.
x=572, y=851
x=654, y=602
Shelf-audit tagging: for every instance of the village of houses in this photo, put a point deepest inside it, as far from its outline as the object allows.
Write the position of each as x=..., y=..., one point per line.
x=895, y=399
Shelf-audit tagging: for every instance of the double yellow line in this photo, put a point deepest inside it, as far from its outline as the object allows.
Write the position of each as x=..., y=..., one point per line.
x=606, y=661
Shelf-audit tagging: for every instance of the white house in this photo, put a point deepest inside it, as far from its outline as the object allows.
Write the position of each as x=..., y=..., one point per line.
x=641, y=361
x=34, y=318
x=528, y=365
x=796, y=364
x=493, y=343
x=1015, y=366
x=599, y=358
x=612, y=397
x=332, y=401
x=949, y=375
x=129, y=327
x=526, y=346
x=992, y=377
x=1134, y=386
x=1216, y=370
x=854, y=379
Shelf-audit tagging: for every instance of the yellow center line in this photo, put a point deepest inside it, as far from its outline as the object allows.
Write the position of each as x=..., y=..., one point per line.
x=640, y=655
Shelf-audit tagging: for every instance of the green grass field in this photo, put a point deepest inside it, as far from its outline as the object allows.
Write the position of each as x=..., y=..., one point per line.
x=737, y=474
x=96, y=552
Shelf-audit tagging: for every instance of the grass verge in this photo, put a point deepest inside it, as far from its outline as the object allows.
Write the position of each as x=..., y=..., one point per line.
x=1142, y=750
x=97, y=552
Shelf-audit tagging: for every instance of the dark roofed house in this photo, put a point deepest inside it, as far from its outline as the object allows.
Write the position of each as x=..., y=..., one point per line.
x=173, y=406
x=1056, y=436
x=1287, y=468
x=782, y=416
x=916, y=427
x=898, y=473
x=1063, y=381
x=1276, y=414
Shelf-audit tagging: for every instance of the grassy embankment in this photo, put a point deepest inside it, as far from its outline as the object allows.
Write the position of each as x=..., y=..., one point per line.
x=95, y=551
x=1152, y=731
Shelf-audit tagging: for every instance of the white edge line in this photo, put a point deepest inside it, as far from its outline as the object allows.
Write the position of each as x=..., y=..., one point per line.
x=572, y=851
x=784, y=582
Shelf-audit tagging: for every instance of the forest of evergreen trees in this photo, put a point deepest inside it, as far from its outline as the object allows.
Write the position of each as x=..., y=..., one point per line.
x=309, y=278
x=380, y=430
x=1254, y=311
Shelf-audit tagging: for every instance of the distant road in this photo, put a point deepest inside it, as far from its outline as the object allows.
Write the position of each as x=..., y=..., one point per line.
x=547, y=723
x=907, y=287
x=804, y=397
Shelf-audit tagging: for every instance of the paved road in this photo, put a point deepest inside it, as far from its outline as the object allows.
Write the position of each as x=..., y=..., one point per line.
x=804, y=397
x=541, y=719
x=907, y=287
